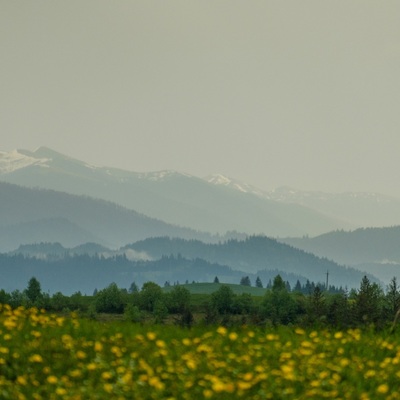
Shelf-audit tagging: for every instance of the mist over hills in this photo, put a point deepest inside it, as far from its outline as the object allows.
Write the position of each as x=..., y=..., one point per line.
x=253, y=255
x=36, y=215
x=376, y=250
x=166, y=195
x=352, y=208
x=162, y=259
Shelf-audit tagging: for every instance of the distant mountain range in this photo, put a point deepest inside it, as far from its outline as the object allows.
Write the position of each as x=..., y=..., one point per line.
x=169, y=196
x=376, y=250
x=357, y=209
x=36, y=215
x=48, y=197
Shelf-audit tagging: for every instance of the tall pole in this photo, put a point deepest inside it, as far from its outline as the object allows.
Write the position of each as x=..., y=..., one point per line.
x=327, y=278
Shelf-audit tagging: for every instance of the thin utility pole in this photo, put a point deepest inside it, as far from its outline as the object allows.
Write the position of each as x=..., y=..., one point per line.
x=327, y=279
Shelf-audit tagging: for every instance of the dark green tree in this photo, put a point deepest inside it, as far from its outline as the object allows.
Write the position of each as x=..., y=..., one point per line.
x=34, y=292
x=59, y=302
x=150, y=294
x=297, y=287
x=245, y=281
x=160, y=311
x=110, y=300
x=243, y=304
x=278, y=306
x=393, y=298
x=278, y=283
x=133, y=288
x=132, y=313
x=368, y=304
x=258, y=282
x=339, y=313
x=222, y=299
x=179, y=299
x=316, y=309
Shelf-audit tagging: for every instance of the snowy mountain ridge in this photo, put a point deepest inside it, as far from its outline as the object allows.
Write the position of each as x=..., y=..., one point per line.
x=45, y=157
x=215, y=204
x=16, y=159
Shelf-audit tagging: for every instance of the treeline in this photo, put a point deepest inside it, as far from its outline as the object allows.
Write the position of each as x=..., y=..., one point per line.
x=305, y=288
x=255, y=254
x=368, y=305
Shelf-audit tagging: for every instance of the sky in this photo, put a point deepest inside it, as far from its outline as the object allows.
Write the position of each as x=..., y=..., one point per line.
x=273, y=93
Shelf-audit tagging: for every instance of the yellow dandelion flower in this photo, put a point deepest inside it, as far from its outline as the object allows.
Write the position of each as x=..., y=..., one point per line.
x=248, y=376
x=233, y=336
x=37, y=358
x=80, y=355
x=98, y=347
x=22, y=380
x=127, y=378
x=218, y=386
x=61, y=391
x=52, y=379
x=370, y=373
x=383, y=389
x=222, y=330
x=344, y=362
x=106, y=375
x=91, y=366
x=108, y=387
x=76, y=373
x=191, y=364
x=151, y=335
x=156, y=383
x=243, y=385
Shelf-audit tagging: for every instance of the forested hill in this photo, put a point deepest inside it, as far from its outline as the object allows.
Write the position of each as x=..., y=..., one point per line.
x=37, y=215
x=69, y=274
x=354, y=247
x=256, y=253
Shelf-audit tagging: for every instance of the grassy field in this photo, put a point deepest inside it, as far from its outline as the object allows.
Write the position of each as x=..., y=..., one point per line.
x=45, y=356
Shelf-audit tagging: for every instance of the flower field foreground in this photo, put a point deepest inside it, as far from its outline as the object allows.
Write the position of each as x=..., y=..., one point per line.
x=45, y=356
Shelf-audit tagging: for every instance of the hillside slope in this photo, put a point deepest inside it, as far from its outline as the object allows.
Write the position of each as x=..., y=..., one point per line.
x=253, y=255
x=167, y=195
x=36, y=215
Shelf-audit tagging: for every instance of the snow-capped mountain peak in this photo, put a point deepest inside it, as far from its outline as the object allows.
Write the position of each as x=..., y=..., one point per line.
x=17, y=159
x=219, y=179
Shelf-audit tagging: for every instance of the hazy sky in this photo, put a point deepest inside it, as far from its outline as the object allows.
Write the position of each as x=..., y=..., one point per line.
x=298, y=93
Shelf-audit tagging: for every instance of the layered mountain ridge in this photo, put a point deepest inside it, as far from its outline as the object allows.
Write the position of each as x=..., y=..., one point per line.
x=170, y=196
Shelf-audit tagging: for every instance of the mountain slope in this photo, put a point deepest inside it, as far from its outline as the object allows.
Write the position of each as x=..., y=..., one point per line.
x=375, y=250
x=354, y=247
x=38, y=215
x=253, y=255
x=170, y=196
x=358, y=209
x=164, y=259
